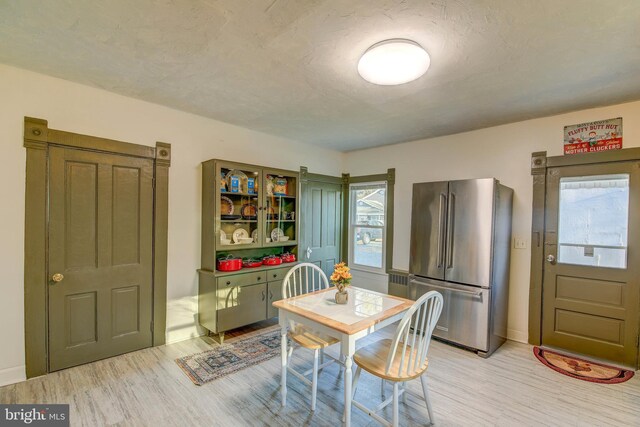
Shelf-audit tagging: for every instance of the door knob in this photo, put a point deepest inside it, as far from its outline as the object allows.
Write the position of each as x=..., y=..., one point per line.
x=551, y=258
x=57, y=277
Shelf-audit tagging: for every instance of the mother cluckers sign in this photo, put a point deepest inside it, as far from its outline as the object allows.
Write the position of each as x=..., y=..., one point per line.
x=592, y=137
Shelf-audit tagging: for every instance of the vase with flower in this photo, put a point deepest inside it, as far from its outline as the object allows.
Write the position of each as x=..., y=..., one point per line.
x=341, y=278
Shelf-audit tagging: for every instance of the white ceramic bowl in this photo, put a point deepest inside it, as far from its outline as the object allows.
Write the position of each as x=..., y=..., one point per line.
x=245, y=240
x=225, y=241
x=283, y=238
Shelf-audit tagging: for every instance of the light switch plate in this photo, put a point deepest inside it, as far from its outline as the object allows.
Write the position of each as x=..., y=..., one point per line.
x=519, y=243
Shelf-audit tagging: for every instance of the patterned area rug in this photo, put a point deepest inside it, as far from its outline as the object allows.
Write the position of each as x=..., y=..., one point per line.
x=582, y=369
x=232, y=357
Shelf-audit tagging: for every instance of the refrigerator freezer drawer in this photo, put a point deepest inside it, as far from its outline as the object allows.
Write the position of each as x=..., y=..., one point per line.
x=465, y=312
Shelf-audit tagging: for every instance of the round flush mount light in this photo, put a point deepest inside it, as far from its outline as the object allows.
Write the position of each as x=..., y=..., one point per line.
x=393, y=62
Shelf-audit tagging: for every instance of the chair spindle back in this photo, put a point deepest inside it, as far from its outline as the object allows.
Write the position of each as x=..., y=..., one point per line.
x=302, y=279
x=422, y=318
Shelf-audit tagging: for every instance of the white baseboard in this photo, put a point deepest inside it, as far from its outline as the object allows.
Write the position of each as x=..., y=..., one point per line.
x=519, y=336
x=12, y=375
x=184, y=334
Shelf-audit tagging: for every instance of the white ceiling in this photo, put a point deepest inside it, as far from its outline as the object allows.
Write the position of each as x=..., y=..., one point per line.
x=288, y=67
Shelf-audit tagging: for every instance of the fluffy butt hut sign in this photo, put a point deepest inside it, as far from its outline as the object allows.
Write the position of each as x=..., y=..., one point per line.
x=590, y=137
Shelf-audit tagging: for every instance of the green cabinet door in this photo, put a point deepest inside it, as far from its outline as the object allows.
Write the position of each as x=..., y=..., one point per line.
x=275, y=294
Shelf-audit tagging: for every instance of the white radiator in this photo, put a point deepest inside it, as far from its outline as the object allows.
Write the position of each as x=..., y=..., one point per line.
x=399, y=283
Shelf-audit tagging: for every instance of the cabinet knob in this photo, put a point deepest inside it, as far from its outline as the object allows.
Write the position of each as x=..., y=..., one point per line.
x=259, y=277
x=58, y=277
x=228, y=282
x=275, y=275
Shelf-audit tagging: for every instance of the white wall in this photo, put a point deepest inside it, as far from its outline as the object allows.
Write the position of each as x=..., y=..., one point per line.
x=81, y=109
x=503, y=152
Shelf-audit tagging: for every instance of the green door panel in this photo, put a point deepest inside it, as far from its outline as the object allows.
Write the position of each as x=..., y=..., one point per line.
x=321, y=224
x=100, y=240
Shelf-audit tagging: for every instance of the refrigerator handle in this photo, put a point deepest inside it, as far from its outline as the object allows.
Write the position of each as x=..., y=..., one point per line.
x=447, y=288
x=450, y=229
x=441, y=228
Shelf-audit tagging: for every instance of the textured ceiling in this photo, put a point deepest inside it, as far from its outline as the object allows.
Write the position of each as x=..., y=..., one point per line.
x=288, y=67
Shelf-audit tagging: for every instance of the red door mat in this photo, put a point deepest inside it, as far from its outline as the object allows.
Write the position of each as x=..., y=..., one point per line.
x=582, y=369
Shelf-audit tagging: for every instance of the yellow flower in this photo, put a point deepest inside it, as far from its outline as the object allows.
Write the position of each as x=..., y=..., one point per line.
x=341, y=274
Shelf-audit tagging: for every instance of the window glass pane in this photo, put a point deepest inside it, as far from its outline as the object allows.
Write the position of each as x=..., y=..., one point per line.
x=369, y=204
x=593, y=220
x=368, y=246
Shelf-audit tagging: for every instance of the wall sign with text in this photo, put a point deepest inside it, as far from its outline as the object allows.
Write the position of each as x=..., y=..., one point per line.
x=592, y=137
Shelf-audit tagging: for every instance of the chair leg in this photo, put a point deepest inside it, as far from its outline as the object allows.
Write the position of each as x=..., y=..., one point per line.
x=404, y=395
x=314, y=380
x=395, y=404
x=321, y=357
x=355, y=381
x=290, y=354
x=382, y=388
x=425, y=391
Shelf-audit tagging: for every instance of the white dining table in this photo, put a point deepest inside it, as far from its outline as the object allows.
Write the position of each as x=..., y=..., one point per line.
x=365, y=312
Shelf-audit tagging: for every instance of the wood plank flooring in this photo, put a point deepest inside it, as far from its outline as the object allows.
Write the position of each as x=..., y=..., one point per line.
x=146, y=388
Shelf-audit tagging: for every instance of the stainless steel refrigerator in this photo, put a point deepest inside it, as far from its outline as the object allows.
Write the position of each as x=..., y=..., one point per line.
x=460, y=247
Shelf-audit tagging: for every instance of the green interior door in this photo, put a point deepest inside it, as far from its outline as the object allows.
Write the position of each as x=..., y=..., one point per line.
x=590, y=284
x=100, y=256
x=321, y=224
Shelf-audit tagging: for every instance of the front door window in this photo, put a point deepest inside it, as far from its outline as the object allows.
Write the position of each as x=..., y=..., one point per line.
x=593, y=220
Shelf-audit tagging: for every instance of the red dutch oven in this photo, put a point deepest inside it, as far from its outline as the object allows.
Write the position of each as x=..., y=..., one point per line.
x=288, y=257
x=272, y=260
x=229, y=263
x=251, y=263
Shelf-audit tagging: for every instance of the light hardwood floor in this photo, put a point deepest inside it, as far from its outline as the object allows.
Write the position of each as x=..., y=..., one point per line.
x=146, y=388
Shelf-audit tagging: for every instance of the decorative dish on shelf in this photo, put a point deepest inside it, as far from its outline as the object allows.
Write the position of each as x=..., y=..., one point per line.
x=276, y=234
x=254, y=236
x=226, y=206
x=224, y=239
x=240, y=233
x=230, y=217
x=249, y=211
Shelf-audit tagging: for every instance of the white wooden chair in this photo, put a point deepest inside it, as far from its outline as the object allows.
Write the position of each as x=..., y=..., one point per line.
x=301, y=279
x=403, y=358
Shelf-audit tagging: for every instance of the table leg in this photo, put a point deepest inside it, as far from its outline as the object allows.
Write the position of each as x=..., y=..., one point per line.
x=283, y=349
x=347, y=390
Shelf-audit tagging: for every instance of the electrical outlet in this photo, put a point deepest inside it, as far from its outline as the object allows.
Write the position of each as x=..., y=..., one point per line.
x=519, y=243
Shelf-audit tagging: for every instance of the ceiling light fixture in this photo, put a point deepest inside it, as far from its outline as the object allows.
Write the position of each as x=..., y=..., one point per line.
x=393, y=62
